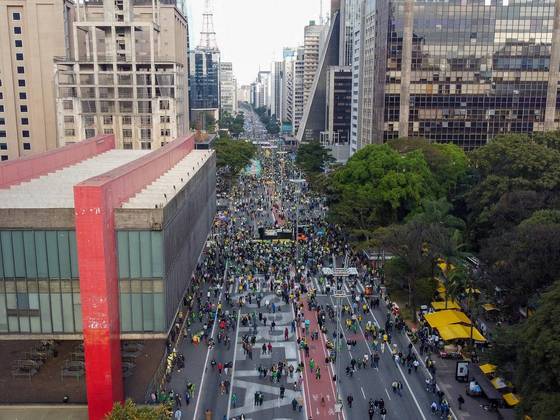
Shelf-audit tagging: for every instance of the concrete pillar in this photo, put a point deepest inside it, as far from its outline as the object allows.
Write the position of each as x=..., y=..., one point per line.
x=406, y=63
x=552, y=89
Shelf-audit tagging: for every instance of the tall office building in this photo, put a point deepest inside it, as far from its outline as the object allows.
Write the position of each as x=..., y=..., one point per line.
x=286, y=107
x=276, y=91
x=356, y=79
x=204, y=75
x=336, y=135
x=244, y=93
x=460, y=72
x=260, y=90
x=126, y=75
x=32, y=33
x=228, y=88
x=298, y=95
x=312, y=47
x=350, y=11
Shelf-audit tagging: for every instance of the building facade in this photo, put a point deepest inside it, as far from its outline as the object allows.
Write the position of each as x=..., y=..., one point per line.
x=336, y=136
x=312, y=48
x=460, y=72
x=204, y=86
x=126, y=75
x=276, y=89
x=27, y=94
x=228, y=88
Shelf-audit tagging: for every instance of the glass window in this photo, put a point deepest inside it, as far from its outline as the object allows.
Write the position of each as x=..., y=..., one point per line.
x=21, y=70
x=22, y=95
x=23, y=108
x=4, y=157
x=3, y=146
x=2, y=133
x=21, y=83
x=16, y=16
x=19, y=56
x=17, y=30
x=25, y=121
x=19, y=43
x=2, y=121
x=25, y=133
x=26, y=146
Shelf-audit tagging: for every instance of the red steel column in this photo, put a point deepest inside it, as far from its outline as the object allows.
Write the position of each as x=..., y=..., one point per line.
x=95, y=236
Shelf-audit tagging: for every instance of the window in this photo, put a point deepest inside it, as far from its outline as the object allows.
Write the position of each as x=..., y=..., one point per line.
x=25, y=133
x=127, y=145
x=69, y=119
x=164, y=119
x=25, y=121
x=21, y=70
x=19, y=43
x=165, y=132
x=107, y=119
x=17, y=30
x=2, y=133
x=16, y=16
x=23, y=108
x=21, y=83
x=26, y=146
x=127, y=120
x=127, y=133
x=22, y=95
x=19, y=56
x=3, y=146
x=164, y=104
x=4, y=157
x=2, y=121
x=108, y=131
x=69, y=132
x=1, y=108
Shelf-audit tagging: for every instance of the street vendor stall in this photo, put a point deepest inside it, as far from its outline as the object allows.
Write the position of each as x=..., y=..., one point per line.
x=446, y=317
x=511, y=399
x=460, y=332
x=488, y=368
x=451, y=304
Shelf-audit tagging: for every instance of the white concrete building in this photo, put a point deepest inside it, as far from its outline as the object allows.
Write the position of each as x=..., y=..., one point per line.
x=228, y=88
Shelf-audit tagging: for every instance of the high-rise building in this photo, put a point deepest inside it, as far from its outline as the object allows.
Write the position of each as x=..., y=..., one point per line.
x=260, y=90
x=357, y=75
x=286, y=106
x=460, y=72
x=204, y=75
x=336, y=135
x=126, y=76
x=312, y=46
x=228, y=88
x=244, y=94
x=276, y=91
x=350, y=11
x=298, y=95
x=32, y=33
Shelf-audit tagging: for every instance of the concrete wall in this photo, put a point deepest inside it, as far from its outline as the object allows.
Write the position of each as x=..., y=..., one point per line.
x=187, y=222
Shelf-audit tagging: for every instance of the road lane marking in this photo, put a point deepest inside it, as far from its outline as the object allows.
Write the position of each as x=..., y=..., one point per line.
x=208, y=351
x=387, y=392
x=299, y=361
x=233, y=364
x=363, y=393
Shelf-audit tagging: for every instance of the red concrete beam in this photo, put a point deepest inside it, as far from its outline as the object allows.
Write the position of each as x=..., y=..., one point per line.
x=95, y=201
x=29, y=167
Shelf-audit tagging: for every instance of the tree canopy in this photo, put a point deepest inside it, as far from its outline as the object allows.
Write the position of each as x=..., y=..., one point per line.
x=270, y=122
x=530, y=355
x=233, y=155
x=130, y=411
x=516, y=174
x=379, y=186
x=233, y=124
x=312, y=157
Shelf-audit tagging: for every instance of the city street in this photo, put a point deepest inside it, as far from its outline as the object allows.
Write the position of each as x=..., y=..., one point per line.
x=276, y=361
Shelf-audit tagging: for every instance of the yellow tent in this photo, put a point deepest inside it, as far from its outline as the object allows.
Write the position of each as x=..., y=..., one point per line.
x=499, y=383
x=446, y=317
x=488, y=368
x=511, y=399
x=451, y=304
x=458, y=331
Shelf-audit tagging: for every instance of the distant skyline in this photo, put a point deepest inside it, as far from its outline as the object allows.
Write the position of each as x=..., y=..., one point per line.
x=253, y=33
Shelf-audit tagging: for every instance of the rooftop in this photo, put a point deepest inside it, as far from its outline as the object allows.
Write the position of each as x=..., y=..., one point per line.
x=56, y=189
x=162, y=190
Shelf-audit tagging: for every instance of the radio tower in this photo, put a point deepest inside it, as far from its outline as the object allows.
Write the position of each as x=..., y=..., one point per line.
x=208, y=35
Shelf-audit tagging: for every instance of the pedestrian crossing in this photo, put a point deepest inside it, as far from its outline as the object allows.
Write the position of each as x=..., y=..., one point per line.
x=323, y=289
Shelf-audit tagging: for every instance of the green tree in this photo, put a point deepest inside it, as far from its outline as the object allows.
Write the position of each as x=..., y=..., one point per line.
x=379, y=186
x=529, y=353
x=516, y=175
x=413, y=246
x=448, y=162
x=312, y=158
x=233, y=155
x=130, y=411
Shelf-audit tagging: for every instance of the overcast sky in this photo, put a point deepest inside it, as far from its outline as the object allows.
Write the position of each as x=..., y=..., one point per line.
x=252, y=33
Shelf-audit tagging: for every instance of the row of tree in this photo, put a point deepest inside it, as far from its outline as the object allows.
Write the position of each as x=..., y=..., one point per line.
x=269, y=121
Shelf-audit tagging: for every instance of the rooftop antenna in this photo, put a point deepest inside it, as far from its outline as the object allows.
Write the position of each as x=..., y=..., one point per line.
x=208, y=35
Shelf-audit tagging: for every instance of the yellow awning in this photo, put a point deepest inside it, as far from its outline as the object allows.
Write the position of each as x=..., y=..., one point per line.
x=489, y=307
x=488, y=368
x=446, y=317
x=511, y=399
x=451, y=304
x=459, y=331
x=498, y=383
